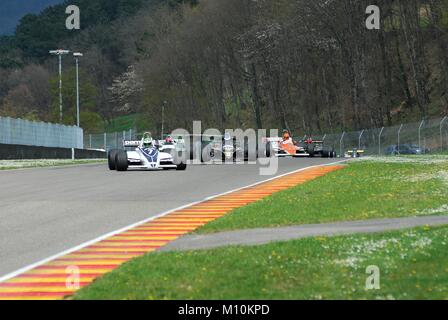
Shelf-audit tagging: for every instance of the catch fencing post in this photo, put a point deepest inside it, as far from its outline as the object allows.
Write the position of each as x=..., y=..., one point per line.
x=441, y=133
x=399, y=131
x=379, y=141
x=359, y=139
x=419, y=134
x=105, y=141
x=90, y=141
x=340, y=143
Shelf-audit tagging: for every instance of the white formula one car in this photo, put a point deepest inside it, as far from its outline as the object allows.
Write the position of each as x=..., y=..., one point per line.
x=228, y=149
x=148, y=154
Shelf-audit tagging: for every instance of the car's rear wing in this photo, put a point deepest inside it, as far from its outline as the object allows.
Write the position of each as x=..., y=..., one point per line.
x=271, y=139
x=176, y=141
x=356, y=150
x=137, y=143
x=131, y=143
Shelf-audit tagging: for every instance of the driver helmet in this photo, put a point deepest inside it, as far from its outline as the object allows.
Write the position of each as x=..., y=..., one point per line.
x=147, y=142
x=286, y=135
x=227, y=136
x=169, y=139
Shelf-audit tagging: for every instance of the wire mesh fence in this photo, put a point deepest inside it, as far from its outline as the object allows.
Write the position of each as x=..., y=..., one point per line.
x=24, y=132
x=426, y=136
x=108, y=141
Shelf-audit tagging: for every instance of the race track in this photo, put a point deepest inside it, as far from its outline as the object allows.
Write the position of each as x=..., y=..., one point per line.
x=46, y=211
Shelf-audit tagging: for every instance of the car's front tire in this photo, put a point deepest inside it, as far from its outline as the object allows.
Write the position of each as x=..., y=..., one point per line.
x=111, y=159
x=181, y=167
x=121, y=160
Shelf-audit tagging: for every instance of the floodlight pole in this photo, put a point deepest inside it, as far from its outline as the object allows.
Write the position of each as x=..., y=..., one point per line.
x=379, y=141
x=340, y=143
x=359, y=139
x=399, y=132
x=77, y=55
x=441, y=132
x=163, y=117
x=420, y=134
x=59, y=53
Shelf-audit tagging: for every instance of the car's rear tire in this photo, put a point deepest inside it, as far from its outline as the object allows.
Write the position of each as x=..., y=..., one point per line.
x=111, y=159
x=310, y=150
x=329, y=153
x=268, y=150
x=121, y=160
x=179, y=160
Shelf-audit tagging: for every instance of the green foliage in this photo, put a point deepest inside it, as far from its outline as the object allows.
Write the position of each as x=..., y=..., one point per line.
x=37, y=34
x=138, y=121
x=8, y=57
x=91, y=122
x=9, y=63
x=103, y=38
x=444, y=20
x=122, y=123
x=88, y=97
x=196, y=60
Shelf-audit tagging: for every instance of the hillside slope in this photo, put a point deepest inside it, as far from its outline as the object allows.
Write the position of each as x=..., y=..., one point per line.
x=12, y=10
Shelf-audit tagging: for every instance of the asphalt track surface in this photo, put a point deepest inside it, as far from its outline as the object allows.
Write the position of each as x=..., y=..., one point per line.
x=45, y=211
x=266, y=235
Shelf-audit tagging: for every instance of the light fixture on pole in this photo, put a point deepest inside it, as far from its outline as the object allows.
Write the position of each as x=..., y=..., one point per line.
x=60, y=53
x=77, y=55
x=163, y=116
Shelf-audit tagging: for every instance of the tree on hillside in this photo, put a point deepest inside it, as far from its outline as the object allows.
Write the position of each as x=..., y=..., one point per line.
x=89, y=119
x=126, y=91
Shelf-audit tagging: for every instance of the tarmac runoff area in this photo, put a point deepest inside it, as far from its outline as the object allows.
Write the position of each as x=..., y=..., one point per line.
x=260, y=236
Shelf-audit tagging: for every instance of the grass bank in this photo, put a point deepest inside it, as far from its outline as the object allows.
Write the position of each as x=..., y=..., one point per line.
x=413, y=264
x=371, y=188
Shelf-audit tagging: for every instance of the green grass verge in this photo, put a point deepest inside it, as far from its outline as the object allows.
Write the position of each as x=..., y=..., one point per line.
x=376, y=188
x=413, y=264
x=23, y=164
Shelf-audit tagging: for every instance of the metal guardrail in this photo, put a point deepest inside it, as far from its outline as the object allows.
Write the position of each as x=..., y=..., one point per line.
x=42, y=134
